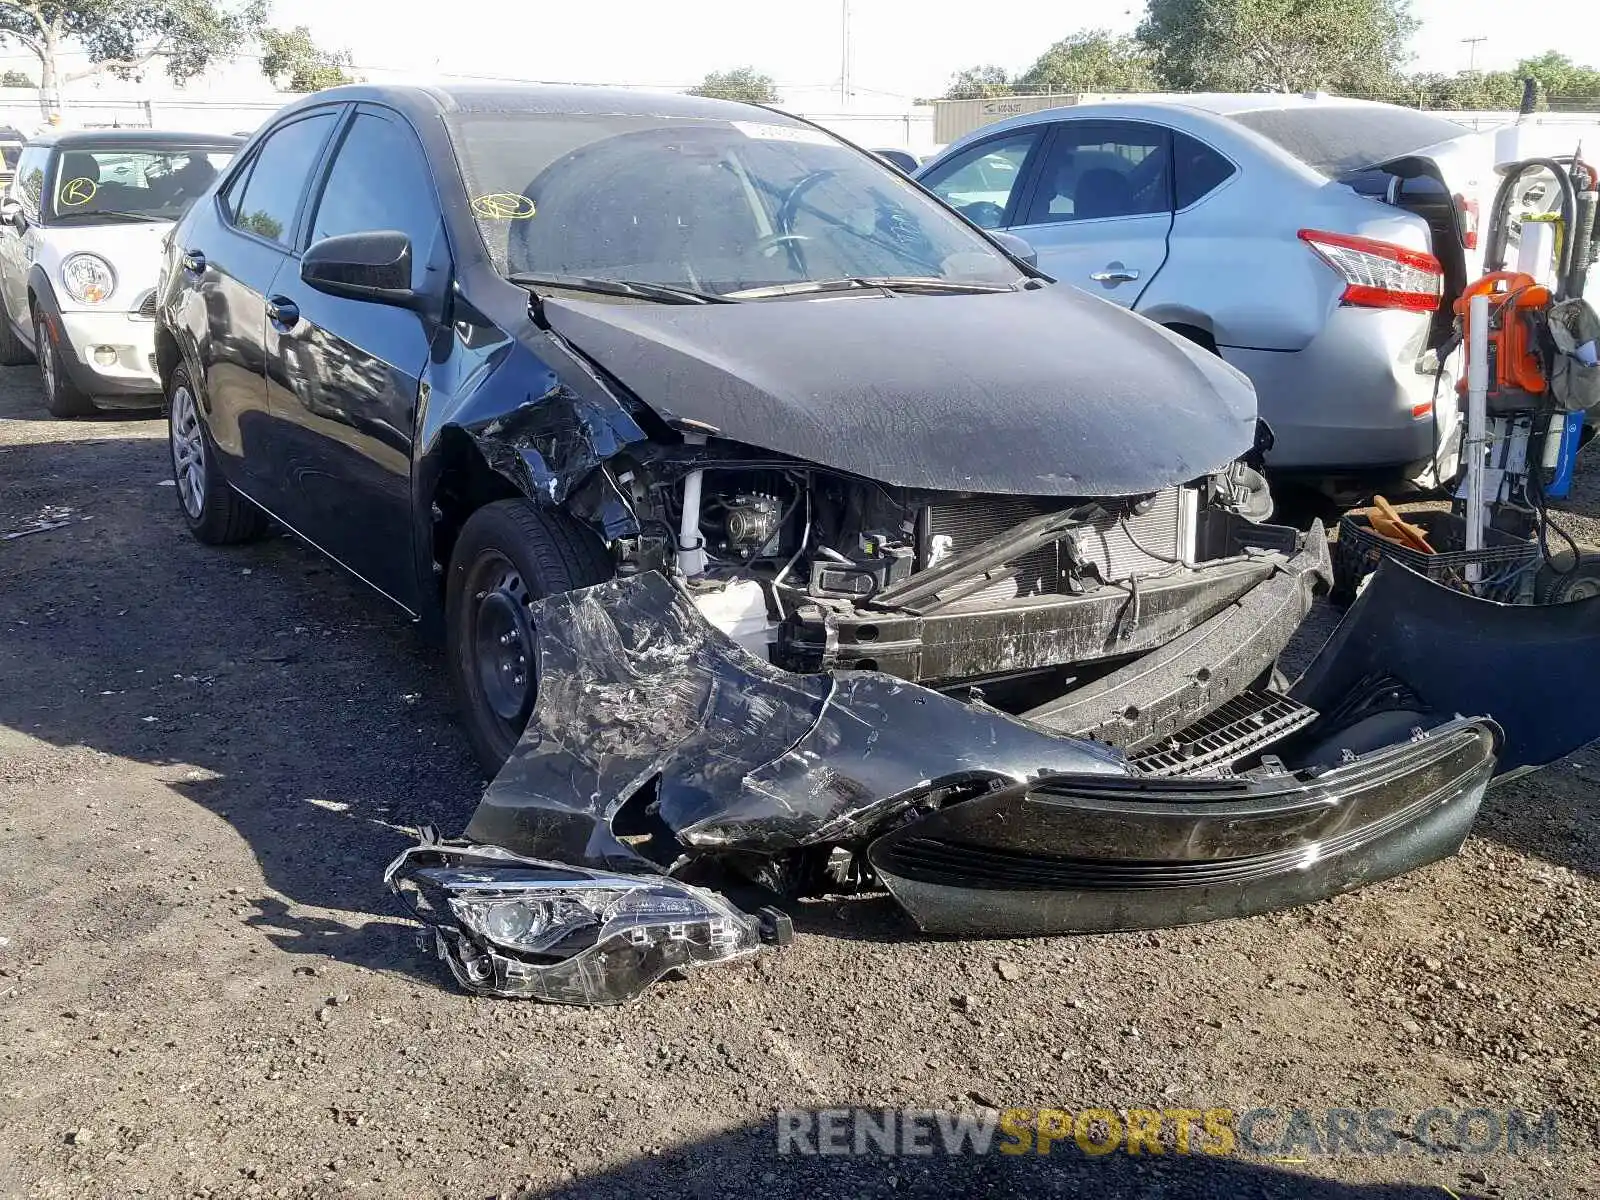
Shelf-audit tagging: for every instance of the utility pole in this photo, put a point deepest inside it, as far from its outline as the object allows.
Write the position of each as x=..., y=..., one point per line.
x=1472, y=53
x=844, y=55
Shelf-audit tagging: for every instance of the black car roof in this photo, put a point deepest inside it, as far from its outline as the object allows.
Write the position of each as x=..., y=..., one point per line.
x=543, y=99
x=68, y=140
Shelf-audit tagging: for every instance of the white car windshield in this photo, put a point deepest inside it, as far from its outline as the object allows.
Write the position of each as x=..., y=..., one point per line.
x=121, y=183
x=722, y=207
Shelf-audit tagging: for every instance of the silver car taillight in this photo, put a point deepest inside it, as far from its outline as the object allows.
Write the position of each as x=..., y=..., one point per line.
x=1380, y=274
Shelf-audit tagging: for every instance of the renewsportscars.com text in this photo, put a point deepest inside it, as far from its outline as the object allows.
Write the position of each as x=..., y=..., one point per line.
x=1264, y=1132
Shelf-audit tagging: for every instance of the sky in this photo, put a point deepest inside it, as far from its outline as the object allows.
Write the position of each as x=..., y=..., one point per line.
x=900, y=47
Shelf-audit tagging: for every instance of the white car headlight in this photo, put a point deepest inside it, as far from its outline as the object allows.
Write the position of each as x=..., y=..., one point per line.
x=88, y=278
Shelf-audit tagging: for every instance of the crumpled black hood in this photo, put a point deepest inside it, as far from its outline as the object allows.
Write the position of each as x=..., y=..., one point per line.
x=1043, y=392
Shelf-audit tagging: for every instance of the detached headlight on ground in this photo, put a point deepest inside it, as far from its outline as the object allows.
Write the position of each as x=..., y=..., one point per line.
x=88, y=278
x=511, y=926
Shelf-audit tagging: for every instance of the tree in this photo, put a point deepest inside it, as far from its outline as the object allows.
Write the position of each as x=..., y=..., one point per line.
x=979, y=83
x=741, y=83
x=1355, y=46
x=1470, y=90
x=295, y=63
x=123, y=36
x=1094, y=61
x=1560, y=80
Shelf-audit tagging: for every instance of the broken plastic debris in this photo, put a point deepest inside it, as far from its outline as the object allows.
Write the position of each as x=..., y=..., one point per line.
x=51, y=517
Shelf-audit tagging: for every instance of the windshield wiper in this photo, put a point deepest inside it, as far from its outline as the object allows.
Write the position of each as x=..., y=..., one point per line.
x=662, y=293
x=101, y=213
x=891, y=283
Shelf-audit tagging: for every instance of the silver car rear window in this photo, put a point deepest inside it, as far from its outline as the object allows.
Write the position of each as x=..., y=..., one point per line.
x=1340, y=139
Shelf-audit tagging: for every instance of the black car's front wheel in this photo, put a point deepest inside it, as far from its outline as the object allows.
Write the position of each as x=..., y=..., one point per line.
x=214, y=512
x=508, y=554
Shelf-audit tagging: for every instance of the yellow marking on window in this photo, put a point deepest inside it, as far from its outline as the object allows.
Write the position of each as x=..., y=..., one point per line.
x=503, y=206
x=78, y=191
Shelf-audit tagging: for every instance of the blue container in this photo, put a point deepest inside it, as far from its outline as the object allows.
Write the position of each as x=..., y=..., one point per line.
x=1567, y=462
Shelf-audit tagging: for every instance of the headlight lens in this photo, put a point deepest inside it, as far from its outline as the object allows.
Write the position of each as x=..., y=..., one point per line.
x=88, y=278
x=512, y=926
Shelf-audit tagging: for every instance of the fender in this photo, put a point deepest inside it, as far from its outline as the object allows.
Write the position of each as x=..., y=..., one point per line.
x=527, y=414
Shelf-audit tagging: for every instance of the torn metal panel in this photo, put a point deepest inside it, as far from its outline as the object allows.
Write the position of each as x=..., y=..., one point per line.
x=551, y=442
x=1409, y=644
x=635, y=686
x=1098, y=855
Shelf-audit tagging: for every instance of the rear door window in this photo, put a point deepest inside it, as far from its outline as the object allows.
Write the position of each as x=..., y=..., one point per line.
x=271, y=195
x=1098, y=169
x=1198, y=169
x=983, y=183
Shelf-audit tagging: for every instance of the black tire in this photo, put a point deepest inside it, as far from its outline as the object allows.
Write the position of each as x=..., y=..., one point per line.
x=1580, y=582
x=62, y=397
x=13, y=352
x=508, y=554
x=215, y=513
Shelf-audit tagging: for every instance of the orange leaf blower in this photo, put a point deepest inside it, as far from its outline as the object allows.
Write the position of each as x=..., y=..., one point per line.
x=1518, y=313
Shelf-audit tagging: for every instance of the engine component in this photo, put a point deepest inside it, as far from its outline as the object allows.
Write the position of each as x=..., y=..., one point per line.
x=750, y=526
x=879, y=561
x=740, y=611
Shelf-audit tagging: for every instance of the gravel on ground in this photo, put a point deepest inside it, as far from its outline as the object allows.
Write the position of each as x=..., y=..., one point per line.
x=207, y=756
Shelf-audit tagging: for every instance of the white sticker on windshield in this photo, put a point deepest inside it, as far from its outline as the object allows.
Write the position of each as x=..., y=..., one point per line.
x=783, y=133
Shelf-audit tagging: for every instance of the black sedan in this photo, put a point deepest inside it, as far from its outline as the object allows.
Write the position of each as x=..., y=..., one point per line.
x=780, y=524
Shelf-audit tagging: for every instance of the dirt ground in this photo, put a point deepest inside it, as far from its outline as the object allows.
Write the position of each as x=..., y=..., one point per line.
x=207, y=757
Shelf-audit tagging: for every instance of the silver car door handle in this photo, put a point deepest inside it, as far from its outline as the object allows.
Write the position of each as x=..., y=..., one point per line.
x=1115, y=274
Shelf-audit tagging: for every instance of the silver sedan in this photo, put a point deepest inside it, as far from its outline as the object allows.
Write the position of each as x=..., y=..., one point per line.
x=1312, y=242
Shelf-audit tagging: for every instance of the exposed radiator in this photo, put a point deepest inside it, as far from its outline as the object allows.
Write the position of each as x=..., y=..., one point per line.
x=1166, y=530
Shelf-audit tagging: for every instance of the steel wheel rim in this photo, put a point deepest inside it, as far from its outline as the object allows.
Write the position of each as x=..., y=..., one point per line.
x=47, y=357
x=188, y=453
x=502, y=644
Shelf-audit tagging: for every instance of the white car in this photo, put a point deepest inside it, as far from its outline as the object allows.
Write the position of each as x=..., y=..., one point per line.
x=81, y=228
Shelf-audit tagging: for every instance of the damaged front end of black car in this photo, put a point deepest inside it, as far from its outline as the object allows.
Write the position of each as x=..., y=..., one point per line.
x=958, y=586
x=661, y=752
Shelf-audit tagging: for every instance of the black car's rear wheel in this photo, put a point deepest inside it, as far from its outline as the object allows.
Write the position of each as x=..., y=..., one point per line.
x=508, y=555
x=214, y=512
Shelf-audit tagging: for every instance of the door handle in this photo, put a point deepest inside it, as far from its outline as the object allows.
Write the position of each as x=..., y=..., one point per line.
x=194, y=261
x=1114, y=274
x=283, y=312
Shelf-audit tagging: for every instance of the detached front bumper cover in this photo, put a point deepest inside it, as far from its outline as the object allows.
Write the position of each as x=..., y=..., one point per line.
x=978, y=823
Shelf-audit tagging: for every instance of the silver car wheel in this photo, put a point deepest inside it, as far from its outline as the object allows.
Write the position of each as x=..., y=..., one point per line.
x=188, y=453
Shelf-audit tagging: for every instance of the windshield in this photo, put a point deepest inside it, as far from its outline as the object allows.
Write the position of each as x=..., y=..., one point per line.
x=126, y=182
x=709, y=205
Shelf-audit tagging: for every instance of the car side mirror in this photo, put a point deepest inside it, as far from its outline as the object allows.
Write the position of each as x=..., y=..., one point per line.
x=1017, y=247
x=375, y=267
x=11, y=214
